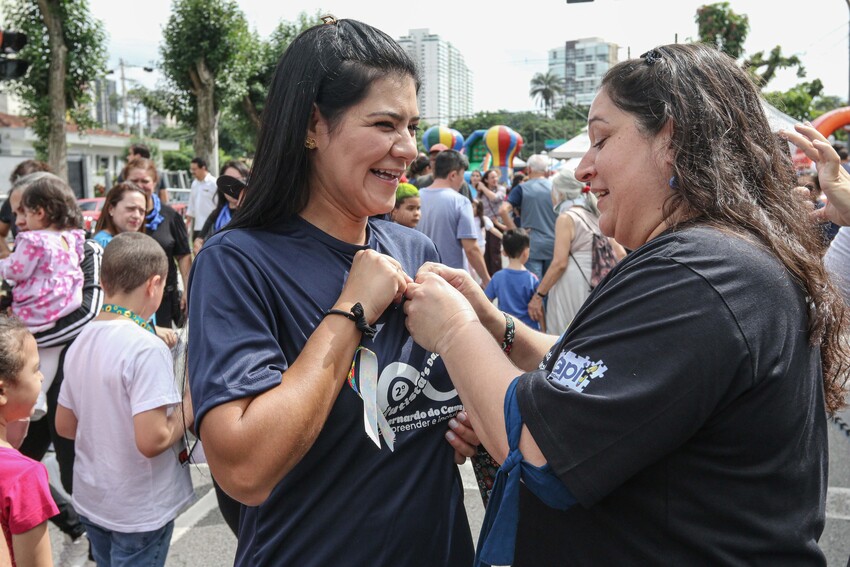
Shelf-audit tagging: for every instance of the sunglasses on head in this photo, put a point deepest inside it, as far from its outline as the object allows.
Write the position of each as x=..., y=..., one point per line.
x=231, y=186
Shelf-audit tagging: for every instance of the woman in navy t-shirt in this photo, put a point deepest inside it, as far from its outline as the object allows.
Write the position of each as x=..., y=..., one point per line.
x=281, y=303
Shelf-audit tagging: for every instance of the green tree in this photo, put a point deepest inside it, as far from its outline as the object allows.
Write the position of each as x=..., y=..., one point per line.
x=205, y=59
x=774, y=61
x=266, y=54
x=66, y=51
x=545, y=87
x=797, y=101
x=720, y=26
x=533, y=128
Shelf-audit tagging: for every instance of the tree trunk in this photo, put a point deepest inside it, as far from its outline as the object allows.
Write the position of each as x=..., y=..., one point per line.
x=251, y=113
x=206, y=129
x=57, y=147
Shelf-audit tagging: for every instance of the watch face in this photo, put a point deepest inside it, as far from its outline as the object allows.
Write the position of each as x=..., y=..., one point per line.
x=231, y=186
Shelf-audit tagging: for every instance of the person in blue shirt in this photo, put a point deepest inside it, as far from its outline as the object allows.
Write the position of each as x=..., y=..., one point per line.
x=514, y=286
x=282, y=304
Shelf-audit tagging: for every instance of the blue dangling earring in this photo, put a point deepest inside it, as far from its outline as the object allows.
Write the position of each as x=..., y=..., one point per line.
x=673, y=183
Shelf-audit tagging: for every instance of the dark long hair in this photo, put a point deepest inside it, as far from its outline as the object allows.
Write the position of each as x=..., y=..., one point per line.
x=329, y=66
x=732, y=172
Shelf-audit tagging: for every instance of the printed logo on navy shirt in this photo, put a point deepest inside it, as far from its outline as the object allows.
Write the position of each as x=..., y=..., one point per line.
x=576, y=372
x=401, y=389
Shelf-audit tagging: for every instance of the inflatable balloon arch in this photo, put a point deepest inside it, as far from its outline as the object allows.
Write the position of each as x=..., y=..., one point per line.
x=492, y=148
x=826, y=124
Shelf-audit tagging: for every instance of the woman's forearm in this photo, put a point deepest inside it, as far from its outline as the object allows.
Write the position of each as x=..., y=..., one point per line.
x=482, y=382
x=529, y=346
x=252, y=443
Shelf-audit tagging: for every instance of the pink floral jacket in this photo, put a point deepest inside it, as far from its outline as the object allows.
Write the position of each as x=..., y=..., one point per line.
x=45, y=273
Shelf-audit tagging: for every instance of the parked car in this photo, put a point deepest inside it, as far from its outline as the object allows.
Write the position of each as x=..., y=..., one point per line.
x=91, y=212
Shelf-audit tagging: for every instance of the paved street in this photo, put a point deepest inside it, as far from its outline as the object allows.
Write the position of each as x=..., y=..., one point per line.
x=201, y=537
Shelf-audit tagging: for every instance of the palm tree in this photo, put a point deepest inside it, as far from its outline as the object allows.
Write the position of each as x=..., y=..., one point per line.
x=545, y=87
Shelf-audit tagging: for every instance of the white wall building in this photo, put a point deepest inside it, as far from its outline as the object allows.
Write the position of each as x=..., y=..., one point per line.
x=94, y=157
x=446, y=92
x=581, y=63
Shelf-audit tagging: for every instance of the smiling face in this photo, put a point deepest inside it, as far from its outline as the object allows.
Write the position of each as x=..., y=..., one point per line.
x=491, y=178
x=628, y=172
x=356, y=167
x=128, y=213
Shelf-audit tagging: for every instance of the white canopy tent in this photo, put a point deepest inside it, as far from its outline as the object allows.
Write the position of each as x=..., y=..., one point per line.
x=577, y=146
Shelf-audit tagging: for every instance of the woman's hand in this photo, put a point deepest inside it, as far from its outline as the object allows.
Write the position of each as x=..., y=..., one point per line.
x=462, y=437
x=535, y=308
x=435, y=311
x=462, y=281
x=167, y=335
x=834, y=180
x=375, y=281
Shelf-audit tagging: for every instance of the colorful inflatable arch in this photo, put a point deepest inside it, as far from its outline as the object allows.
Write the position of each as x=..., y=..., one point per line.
x=442, y=135
x=504, y=145
x=476, y=151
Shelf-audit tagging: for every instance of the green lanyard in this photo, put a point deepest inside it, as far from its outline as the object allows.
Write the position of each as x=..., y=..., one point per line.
x=124, y=312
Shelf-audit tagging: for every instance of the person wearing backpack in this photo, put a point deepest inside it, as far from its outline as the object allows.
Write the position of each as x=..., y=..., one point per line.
x=578, y=242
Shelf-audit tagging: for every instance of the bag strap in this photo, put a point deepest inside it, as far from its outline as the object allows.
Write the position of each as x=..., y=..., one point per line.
x=583, y=275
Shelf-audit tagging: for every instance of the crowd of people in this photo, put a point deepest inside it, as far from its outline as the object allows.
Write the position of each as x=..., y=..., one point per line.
x=648, y=345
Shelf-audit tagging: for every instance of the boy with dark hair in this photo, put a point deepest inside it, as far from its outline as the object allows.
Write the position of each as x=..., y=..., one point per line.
x=514, y=286
x=120, y=404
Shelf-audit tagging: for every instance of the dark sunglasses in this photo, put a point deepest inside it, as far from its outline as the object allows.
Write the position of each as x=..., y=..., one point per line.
x=231, y=186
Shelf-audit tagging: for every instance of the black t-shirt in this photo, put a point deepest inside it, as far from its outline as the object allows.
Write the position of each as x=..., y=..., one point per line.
x=174, y=239
x=684, y=409
x=7, y=215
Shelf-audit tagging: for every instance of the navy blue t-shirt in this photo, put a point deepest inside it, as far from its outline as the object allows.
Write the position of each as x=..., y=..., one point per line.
x=256, y=297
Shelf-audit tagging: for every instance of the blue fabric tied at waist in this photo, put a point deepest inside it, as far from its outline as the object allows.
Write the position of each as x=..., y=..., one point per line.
x=497, y=540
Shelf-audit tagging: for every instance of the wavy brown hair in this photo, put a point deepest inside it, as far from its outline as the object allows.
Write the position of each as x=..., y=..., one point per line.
x=733, y=173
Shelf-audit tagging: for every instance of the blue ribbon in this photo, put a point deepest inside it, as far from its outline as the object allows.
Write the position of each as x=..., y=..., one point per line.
x=154, y=218
x=497, y=541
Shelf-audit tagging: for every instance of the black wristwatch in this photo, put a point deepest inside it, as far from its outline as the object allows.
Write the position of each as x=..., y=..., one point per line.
x=541, y=295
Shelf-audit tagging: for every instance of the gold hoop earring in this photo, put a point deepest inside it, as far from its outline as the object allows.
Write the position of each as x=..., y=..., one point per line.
x=310, y=143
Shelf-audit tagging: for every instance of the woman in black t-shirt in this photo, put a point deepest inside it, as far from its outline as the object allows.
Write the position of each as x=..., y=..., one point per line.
x=685, y=406
x=168, y=228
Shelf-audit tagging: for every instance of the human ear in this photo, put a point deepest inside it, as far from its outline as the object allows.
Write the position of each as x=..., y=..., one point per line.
x=317, y=127
x=152, y=284
x=665, y=140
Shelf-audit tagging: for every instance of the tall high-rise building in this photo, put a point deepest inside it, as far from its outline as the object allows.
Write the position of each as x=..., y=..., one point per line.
x=446, y=91
x=106, y=103
x=581, y=64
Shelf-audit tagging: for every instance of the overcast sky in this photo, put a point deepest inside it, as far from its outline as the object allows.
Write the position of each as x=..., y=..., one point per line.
x=504, y=48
